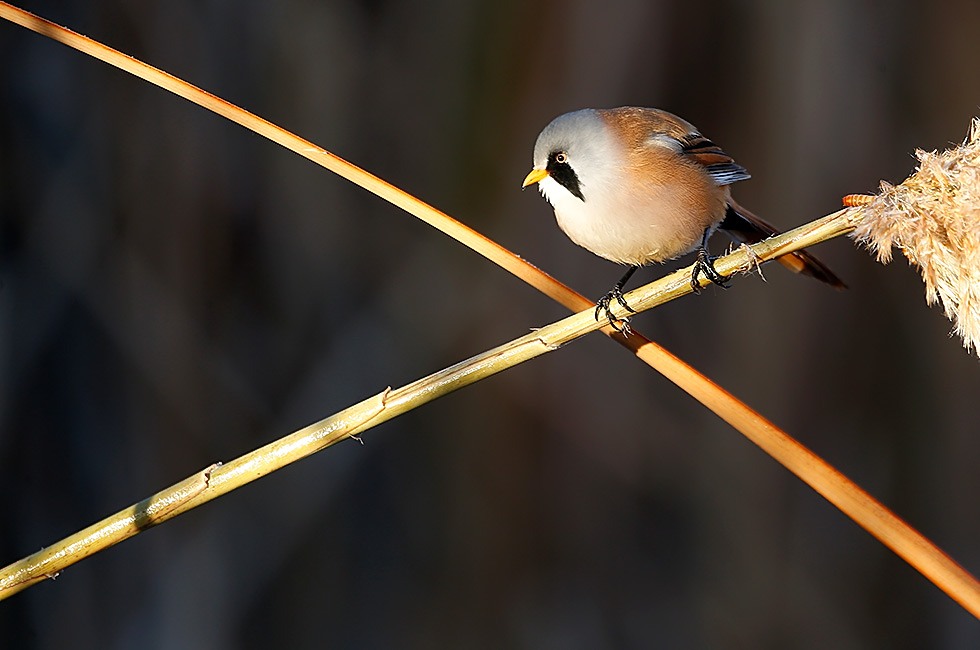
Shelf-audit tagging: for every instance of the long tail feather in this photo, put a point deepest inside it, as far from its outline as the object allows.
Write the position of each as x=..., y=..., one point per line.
x=746, y=227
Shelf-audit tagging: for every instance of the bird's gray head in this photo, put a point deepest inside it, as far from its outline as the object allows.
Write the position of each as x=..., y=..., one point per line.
x=576, y=150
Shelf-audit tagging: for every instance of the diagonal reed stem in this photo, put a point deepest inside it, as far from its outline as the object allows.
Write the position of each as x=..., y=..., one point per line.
x=836, y=488
x=222, y=478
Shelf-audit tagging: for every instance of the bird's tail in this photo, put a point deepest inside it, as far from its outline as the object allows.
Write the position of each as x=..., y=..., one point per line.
x=746, y=227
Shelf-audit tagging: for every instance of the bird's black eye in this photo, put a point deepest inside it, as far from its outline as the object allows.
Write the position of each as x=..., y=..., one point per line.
x=561, y=158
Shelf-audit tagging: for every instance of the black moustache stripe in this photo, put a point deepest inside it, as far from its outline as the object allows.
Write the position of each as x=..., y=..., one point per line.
x=565, y=176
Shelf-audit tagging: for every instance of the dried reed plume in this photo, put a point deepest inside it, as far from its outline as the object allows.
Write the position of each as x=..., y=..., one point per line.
x=934, y=218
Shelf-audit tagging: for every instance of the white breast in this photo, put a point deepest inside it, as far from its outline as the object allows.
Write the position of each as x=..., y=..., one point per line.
x=638, y=223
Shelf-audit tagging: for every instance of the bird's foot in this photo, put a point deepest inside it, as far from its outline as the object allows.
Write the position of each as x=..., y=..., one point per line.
x=705, y=265
x=618, y=324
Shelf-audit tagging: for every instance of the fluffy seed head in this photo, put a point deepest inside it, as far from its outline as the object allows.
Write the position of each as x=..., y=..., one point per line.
x=933, y=217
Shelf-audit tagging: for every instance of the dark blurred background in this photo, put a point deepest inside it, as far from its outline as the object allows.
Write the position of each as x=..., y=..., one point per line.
x=175, y=291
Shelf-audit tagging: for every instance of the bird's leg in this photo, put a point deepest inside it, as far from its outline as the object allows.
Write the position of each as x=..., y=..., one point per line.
x=706, y=264
x=616, y=293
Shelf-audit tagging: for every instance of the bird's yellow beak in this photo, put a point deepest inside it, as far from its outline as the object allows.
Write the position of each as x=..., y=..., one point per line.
x=535, y=176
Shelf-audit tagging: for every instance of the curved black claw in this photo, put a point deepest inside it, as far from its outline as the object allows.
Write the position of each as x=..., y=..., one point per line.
x=706, y=264
x=618, y=324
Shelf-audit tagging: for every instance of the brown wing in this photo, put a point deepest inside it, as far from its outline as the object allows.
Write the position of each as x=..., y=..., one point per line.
x=653, y=127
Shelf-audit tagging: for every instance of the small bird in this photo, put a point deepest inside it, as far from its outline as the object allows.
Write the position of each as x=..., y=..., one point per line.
x=641, y=185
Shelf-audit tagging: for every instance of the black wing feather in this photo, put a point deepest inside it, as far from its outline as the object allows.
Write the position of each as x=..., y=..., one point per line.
x=722, y=167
